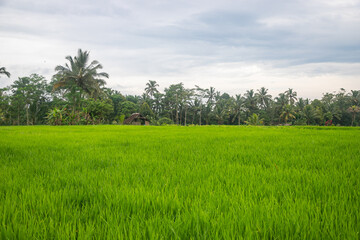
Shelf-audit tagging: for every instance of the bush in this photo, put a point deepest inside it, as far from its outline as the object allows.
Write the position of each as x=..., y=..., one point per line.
x=56, y=116
x=300, y=122
x=98, y=109
x=254, y=120
x=165, y=121
x=121, y=119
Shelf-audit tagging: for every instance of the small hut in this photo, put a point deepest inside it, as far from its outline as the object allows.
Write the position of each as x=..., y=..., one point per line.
x=136, y=119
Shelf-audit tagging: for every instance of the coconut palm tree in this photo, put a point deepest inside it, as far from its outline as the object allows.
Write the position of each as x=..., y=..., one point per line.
x=291, y=94
x=353, y=110
x=250, y=100
x=281, y=100
x=220, y=113
x=3, y=71
x=186, y=97
x=158, y=103
x=239, y=107
x=79, y=74
x=355, y=97
x=301, y=104
x=263, y=97
x=150, y=89
x=287, y=113
x=210, y=95
x=197, y=107
x=308, y=114
x=254, y=120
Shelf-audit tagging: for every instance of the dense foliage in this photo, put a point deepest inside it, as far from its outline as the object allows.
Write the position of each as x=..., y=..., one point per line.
x=201, y=182
x=79, y=88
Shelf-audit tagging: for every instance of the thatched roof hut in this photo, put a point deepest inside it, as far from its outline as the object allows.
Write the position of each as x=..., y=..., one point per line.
x=136, y=119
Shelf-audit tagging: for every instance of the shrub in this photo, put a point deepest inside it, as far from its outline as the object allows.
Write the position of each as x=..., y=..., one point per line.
x=56, y=116
x=165, y=121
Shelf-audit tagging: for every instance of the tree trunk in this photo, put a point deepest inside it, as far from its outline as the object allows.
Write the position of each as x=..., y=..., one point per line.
x=185, y=117
x=27, y=115
x=239, y=120
x=74, y=104
x=36, y=113
x=177, y=114
x=200, y=119
x=18, y=115
x=177, y=117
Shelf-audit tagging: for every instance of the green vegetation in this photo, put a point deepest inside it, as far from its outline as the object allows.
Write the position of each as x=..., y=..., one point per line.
x=80, y=88
x=172, y=182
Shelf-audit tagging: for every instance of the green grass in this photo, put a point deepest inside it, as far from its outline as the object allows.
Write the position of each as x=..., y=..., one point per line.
x=210, y=182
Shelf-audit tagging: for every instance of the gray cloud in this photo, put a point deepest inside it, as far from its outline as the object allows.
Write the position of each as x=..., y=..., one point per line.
x=188, y=41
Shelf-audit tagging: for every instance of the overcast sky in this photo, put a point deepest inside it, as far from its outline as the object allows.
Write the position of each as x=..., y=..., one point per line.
x=312, y=46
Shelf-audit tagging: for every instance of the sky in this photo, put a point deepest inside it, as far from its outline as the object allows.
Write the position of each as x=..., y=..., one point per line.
x=312, y=46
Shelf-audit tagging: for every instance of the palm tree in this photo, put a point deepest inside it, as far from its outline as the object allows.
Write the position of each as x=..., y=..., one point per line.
x=144, y=98
x=220, y=113
x=291, y=95
x=3, y=71
x=158, y=102
x=254, y=120
x=287, y=113
x=197, y=107
x=263, y=97
x=150, y=89
x=281, y=100
x=301, y=104
x=239, y=107
x=250, y=100
x=81, y=75
x=353, y=110
x=187, y=95
x=355, y=97
x=308, y=113
x=210, y=95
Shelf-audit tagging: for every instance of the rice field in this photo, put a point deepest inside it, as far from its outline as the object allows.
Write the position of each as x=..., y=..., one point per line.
x=196, y=182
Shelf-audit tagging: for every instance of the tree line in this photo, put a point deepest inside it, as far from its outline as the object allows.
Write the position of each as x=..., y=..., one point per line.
x=77, y=94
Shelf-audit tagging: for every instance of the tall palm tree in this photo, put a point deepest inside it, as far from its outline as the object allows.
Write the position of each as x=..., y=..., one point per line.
x=239, y=107
x=250, y=100
x=150, y=89
x=263, y=97
x=287, y=113
x=79, y=74
x=210, y=95
x=187, y=95
x=281, y=100
x=291, y=94
x=3, y=71
x=144, y=98
x=158, y=102
x=353, y=110
x=220, y=113
x=196, y=108
x=308, y=113
x=301, y=104
x=355, y=97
